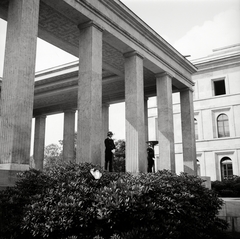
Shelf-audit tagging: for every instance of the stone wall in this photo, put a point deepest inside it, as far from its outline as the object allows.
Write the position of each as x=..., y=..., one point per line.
x=231, y=213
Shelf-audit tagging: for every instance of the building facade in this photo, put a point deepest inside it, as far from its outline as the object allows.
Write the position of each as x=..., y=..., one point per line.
x=216, y=115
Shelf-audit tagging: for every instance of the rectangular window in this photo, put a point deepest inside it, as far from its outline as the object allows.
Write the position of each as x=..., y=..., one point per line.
x=219, y=87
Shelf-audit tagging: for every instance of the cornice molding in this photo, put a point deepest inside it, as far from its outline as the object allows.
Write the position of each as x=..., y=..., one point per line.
x=139, y=25
x=208, y=64
x=143, y=29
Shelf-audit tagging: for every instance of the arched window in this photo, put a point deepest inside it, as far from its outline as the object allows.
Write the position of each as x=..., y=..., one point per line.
x=196, y=128
x=226, y=168
x=223, y=126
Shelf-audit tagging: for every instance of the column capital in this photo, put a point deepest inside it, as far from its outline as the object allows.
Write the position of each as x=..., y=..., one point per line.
x=90, y=24
x=162, y=74
x=40, y=116
x=69, y=111
x=186, y=89
x=105, y=104
x=133, y=53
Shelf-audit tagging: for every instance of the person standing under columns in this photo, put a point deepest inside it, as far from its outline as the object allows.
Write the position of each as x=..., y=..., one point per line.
x=109, y=149
x=150, y=157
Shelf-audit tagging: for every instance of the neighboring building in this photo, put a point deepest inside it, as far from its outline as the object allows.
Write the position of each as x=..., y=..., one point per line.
x=216, y=115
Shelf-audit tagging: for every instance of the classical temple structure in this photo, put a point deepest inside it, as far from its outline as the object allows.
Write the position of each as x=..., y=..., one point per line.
x=120, y=59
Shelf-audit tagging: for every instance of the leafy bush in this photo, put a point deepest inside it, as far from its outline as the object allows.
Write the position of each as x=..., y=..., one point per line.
x=13, y=202
x=227, y=187
x=160, y=205
x=119, y=163
x=66, y=201
x=119, y=156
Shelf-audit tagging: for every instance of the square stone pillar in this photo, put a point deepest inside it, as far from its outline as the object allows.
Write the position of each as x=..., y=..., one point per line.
x=136, y=155
x=188, y=132
x=18, y=84
x=105, y=127
x=89, y=136
x=69, y=136
x=39, y=141
x=146, y=119
x=165, y=123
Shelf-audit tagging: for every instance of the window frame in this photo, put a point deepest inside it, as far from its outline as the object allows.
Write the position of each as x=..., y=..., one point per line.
x=215, y=113
x=223, y=78
x=225, y=127
x=225, y=169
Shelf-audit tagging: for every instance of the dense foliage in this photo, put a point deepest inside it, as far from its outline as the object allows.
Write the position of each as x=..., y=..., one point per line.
x=119, y=156
x=73, y=201
x=53, y=154
x=227, y=187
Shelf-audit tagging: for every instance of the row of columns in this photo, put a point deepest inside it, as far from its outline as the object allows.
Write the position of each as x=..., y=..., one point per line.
x=68, y=138
x=165, y=134
x=18, y=92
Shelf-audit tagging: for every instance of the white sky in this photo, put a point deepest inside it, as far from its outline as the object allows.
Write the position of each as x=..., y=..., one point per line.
x=193, y=27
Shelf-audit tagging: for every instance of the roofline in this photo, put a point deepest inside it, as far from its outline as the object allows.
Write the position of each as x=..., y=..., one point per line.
x=139, y=25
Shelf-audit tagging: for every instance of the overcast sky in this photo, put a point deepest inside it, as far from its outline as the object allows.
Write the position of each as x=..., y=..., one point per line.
x=193, y=27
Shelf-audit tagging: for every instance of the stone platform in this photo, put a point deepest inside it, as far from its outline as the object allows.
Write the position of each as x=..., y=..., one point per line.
x=231, y=213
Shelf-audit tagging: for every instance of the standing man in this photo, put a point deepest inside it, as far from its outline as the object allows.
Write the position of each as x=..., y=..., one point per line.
x=150, y=157
x=110, y=148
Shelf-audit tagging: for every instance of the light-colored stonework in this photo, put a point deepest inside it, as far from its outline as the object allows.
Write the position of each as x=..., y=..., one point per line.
x=223, y=64
x=100, y=33
x=230, y=212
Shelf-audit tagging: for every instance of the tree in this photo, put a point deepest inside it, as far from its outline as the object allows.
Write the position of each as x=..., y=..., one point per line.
x=119, y=156
x=120, y=147
x=52, y=154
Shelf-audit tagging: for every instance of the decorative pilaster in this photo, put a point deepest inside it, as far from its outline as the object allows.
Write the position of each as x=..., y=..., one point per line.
x=18, y=84
x=165, y=122
x=39, y=141
x=69, y=136
x=188, y=132
x=89, y=137
x=136, y=156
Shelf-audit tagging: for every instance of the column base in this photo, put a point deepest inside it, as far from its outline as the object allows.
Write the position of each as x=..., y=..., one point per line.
x=207, y=182
x=8, y=174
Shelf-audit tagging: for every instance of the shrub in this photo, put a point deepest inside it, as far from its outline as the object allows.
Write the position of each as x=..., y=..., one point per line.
x=13, y=202
x=160, y=205
x=66, y=201
x=227, y=187
x=119, y=163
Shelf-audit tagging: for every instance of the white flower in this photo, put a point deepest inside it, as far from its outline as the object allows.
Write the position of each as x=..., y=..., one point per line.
x=96, y=173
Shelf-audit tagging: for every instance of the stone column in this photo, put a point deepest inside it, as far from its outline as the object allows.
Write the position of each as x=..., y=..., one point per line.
x=18, y=84
x=165, y=123
x=136, y=156
x=188, y=132
x=69, y=136
x=146, y=123
x=39, y=141
x=146, y=119
x=105, y=127
x=89, y=136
